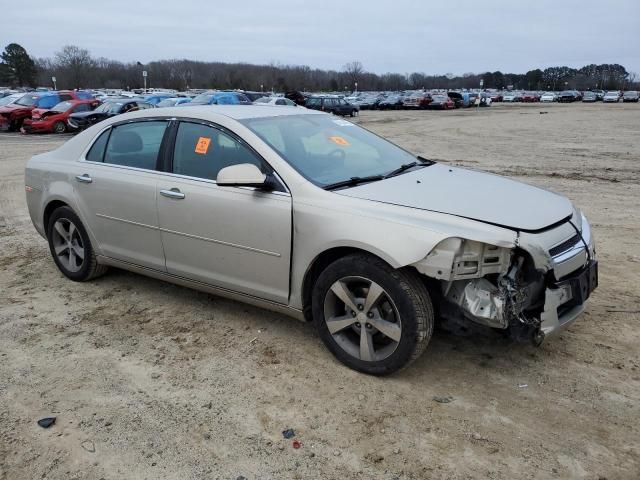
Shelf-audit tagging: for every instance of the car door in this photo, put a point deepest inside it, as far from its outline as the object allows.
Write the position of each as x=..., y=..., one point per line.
x=116, y=188
x=236, y=238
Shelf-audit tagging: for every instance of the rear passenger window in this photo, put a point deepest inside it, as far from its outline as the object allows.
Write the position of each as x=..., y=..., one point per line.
x=202, y=151
x=96, y=153
x=83, y=107
x=135, y=144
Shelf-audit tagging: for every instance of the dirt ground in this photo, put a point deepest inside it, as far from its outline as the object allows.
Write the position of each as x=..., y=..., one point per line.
x=153, y=381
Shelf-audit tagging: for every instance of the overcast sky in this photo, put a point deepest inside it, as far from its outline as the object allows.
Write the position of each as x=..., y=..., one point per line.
x=386, y=36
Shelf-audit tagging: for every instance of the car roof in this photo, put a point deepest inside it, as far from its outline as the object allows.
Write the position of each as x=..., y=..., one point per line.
x=235, y=112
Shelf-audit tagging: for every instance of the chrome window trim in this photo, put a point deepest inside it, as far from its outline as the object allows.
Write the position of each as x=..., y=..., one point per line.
x=83, y=158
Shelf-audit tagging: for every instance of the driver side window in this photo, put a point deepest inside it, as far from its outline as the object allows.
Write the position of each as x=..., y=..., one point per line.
x=202, y=151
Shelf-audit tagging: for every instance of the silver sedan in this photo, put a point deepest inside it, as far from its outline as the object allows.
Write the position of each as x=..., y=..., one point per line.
x=310, y=215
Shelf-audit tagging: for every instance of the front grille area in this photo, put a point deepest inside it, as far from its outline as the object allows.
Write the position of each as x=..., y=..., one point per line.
x=564, y=246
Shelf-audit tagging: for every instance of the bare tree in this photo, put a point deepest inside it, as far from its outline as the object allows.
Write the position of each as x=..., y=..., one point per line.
x=74, y=64
x=354, y=71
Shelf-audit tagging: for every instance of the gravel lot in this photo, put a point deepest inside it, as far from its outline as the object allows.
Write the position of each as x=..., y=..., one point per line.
x=150, y=380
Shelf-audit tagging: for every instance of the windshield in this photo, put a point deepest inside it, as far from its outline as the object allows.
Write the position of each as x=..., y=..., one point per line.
x=28, y=100
x=169, y=102
x=326, y=150
x=8, y=99
x=263, y=100
x=62, y=107
x=109, y=107
x=203, y=98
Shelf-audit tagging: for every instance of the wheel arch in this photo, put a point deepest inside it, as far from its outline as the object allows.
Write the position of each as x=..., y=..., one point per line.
x=317, y=266
x=49, y=209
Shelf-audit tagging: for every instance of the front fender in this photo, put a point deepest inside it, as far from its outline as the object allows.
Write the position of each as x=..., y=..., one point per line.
x=400, y=236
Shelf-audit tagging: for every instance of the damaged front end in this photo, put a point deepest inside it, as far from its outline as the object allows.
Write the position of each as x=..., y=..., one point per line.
x=504, y=288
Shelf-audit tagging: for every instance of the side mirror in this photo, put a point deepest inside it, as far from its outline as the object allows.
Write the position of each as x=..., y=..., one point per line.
x=241, y=175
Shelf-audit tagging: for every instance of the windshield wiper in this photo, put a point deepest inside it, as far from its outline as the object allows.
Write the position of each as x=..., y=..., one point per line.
x=353, y=181
x=403, y=168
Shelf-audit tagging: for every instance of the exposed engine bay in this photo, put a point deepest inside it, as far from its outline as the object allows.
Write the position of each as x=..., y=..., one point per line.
x=496, y=287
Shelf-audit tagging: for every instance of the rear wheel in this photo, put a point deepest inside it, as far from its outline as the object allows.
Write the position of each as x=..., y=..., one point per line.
x=373, y=318
x=59, y=127
x=70, y=246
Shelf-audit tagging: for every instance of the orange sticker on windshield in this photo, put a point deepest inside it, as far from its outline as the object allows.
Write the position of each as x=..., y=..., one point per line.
x=339, y=141
x=202, y=147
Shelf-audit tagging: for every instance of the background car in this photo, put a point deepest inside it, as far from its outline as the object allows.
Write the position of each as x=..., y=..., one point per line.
x=530, y=97
x=631, y=96
x=332, y=104
x=417, y=100
x=111, y=108
x=253, y=96
x=568, y=96
x=173, y=101
x=611, y=97
x=512, y=97
x=13, y=115
x=275, y=101
x=589, y=97
x=441, y=102
x=392, y=102
x=219, y=98
x=156, y=98
x=54, y=120
x=549, y=97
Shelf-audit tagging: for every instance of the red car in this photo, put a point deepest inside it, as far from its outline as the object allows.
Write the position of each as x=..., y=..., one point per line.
x=12, y=116
x=55, y=119
x=530, y=97
x=441, y=102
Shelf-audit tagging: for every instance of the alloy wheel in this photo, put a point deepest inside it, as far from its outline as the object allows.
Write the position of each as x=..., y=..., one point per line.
x=362, y=318
x=67, y=245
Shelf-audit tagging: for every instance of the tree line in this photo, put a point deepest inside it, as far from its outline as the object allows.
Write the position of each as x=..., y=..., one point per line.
x=75, y=67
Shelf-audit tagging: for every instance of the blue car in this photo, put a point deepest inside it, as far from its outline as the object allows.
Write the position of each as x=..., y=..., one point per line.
x=219, y=98
x=173, y=101
x=156, y=98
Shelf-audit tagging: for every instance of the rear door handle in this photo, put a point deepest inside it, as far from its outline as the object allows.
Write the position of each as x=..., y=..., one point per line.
x=173, y=193
x=84, y=178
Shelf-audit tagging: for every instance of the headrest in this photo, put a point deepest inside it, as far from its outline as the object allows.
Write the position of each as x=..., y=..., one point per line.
x=126, y=142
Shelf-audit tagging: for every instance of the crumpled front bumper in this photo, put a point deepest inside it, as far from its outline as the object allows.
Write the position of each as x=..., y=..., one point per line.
x=566, y=300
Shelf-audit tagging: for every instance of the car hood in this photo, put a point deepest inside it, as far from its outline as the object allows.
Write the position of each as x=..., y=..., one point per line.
x=12, y=107
x=470, y=194
x=85, y=114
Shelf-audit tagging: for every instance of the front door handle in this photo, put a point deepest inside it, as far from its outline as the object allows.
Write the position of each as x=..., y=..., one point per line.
x=173, y=193
x=84, y=178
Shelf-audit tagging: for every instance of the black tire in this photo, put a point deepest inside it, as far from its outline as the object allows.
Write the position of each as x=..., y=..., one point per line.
x=59, y=127
x=89, y=268
x=409, y=296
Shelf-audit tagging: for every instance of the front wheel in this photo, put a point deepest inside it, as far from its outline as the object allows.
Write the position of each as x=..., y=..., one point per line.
x=373, y=318
x=59, y=127
x=70, y=246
